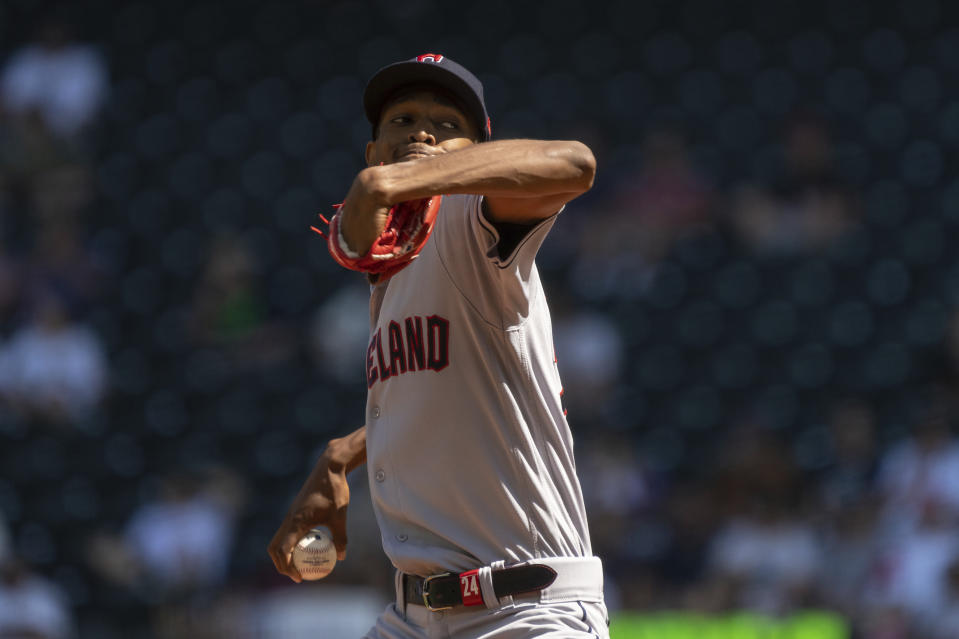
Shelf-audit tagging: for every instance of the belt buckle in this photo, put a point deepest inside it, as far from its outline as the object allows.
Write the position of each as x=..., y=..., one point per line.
x=426, y=592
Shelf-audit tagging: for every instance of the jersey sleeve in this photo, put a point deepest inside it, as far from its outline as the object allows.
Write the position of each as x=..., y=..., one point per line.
x=498, y=287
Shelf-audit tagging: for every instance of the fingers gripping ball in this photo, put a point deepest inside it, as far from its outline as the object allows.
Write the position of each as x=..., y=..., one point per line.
x=315, y=555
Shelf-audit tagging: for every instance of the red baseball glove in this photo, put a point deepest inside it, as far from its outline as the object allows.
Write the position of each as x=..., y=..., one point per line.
x=408, y=226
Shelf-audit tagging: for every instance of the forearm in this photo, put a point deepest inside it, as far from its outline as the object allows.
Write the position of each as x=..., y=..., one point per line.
x=513, y=168
x=541, y=175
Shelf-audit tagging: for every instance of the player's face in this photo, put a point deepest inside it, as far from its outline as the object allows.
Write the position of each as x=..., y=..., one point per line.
x=417, y=124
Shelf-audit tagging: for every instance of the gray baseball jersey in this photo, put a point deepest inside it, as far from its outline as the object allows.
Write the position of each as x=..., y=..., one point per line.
x=469, y=453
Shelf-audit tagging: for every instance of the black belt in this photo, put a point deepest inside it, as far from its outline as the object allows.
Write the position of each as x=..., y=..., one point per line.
x=439, y=592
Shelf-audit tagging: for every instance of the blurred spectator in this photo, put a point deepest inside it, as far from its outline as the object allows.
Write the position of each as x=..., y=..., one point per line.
x=887, y=623
x=58, y=195
x=589, y=352
x=771, y=553
x=298, y=612
x=59, y=262
x=227, y=304
x=751, y=460
x=914, y=575
x=337, y=341
x=692, y=516
x=230, y=309
x=765, y=547
x=32, y=162
x=53, y=369
x=176, y=547
x=946, y=626
x=51, y=91
x=851, y=555
x=620, y=496
x=182, y=541
x=923, y=470
x=645, y=215
x=615, y=488
x=848, y=478
x=31, y=607
x=807, y=206
x=55, y=80
x=663, y=201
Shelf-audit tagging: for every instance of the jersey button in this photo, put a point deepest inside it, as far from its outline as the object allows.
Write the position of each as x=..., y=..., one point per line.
x=380, y=476
x=402, y=537
x=376, y=412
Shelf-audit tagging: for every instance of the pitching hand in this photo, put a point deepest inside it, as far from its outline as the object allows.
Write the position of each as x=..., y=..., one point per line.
x=322, y=501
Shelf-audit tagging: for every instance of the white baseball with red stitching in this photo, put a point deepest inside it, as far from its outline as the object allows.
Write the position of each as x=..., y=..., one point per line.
x=315, y=555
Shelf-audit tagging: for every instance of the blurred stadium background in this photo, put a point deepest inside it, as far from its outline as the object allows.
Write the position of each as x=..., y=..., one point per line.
x=755, y=308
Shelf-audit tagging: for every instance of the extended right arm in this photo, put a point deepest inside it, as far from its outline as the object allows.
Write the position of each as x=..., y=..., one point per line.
x=523, y=182
x=322, y=501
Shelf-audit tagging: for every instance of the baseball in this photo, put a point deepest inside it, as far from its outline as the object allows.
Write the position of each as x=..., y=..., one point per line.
x=314, y=556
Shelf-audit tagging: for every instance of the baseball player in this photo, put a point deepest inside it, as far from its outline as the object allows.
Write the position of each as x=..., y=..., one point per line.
x=469, y=454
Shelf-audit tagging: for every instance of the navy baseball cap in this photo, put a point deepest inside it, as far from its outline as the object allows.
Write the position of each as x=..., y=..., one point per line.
x=429, y=68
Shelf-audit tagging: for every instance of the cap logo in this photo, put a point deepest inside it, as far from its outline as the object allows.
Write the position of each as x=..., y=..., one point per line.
x=430, y=57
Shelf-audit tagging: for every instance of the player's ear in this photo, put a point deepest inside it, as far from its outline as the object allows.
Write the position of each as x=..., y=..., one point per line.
x=371, y=153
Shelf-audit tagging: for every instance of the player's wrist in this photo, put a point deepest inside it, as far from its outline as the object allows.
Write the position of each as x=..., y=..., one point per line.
x=333, y=459
x=343, y=454
x=374, y=182
x=390, y=184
